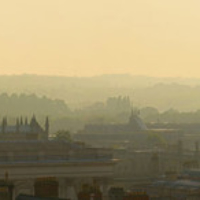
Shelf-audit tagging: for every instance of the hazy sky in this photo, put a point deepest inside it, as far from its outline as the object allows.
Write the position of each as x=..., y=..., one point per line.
x=89, y=37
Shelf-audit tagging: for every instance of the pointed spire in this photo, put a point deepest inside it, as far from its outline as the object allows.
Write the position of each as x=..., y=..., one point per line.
x=21, y=121
x=47, y=125
x=47, y=121
x=5, y=119
x=26, y=121
x=33, y=120
x=17, y=125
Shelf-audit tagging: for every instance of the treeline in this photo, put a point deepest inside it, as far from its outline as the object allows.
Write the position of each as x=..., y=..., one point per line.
x=115, y=109
x=79, y=92
x=27, y=105
x=114, y=105
x=101, y=113
x=150, y=114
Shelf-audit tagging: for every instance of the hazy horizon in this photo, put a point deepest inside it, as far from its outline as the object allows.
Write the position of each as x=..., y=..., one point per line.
x=97, y=75
x=87, y=38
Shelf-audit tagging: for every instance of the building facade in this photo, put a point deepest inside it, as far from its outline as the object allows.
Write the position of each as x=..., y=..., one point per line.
x=32, y=164
x=52, y=168
x=24, y=130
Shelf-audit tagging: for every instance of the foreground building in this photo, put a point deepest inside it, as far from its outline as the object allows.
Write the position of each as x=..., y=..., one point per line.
x=186, y=187
x=30, y=197
x=52, y=168
x=32, y=164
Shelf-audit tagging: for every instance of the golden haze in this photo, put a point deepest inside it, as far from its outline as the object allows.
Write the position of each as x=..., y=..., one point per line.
x=87, y=37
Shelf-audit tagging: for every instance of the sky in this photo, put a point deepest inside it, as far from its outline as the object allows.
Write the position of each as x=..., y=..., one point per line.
x=92, y=37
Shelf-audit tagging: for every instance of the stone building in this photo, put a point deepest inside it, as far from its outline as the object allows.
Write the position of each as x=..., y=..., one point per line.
x=138, y=168
x=32, y=164
x=186, y=186
x=135, y=124
x=133, y=133
x=52, y=168
x=24, y=130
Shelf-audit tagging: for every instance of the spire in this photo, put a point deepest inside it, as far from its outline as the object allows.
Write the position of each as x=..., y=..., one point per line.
x=47, y=125
x=26, y=121
x=33, y=120
x=135, y=122
x=17, y=125
x=3, y=125
x=5, y=118
x=21, y=121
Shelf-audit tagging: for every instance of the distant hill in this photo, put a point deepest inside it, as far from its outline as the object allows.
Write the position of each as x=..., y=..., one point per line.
x=78, y=92
x=27, y=105
x=168, y=96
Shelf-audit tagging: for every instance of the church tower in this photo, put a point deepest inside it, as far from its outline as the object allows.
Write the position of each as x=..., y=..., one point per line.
x=135, y=122
x=17, y=125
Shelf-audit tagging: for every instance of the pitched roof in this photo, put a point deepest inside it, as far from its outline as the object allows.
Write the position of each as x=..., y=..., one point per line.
x=29, y=197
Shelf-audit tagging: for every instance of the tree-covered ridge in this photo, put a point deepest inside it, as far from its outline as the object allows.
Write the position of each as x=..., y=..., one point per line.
x=27, y=105
x=115, y=109
x=79, y=92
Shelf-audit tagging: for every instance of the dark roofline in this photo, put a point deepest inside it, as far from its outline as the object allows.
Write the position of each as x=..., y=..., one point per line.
x=29, y=197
